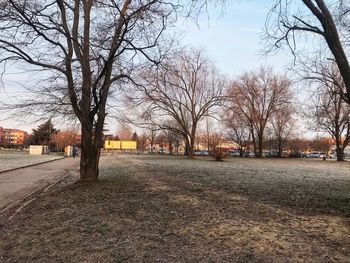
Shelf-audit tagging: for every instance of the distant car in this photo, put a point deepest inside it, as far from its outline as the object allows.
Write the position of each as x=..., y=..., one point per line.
x=161, y=151
x=316, y=155
x=272, y=154
x=323, y=155
x=333, y=154
x=295, y=154
x=235, y=153
x=204, y=152
x=250, y=154
x=197, y=152
x=201, y=152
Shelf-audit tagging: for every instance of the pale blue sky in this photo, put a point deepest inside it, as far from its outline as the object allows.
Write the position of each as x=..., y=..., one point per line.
x=231, y=37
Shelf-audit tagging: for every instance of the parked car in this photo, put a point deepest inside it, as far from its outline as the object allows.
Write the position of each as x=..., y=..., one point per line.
x=295, y=154
x=272, y=154
x=201, y=152
x=162, y=151
x=250, y=154
x=235, y=153
x=204, y=152
x=197, y=152
x=316, y=155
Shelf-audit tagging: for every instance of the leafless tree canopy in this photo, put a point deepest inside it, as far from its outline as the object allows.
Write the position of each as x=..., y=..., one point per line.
x=328, y=111
x=184, y=89
x=283, y=126
x=238, y=128
x=124, y=132
x=257, y=96
x=325, y=20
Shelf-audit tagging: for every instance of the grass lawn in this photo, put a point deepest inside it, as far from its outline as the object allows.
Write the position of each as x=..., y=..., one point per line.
x=170, y=209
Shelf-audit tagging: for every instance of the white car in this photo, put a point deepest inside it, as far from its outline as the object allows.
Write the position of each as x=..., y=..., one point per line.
x=235, y=153
x=316, y=155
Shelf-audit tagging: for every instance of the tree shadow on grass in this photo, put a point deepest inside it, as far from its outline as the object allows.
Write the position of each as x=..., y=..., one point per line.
x=148, y=214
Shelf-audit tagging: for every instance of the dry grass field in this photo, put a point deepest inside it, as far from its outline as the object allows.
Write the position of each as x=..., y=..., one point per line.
x=170, y=209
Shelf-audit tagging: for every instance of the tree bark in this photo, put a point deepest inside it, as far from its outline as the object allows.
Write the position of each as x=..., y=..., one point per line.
x=170, y=148
x=192, y=139
x=339, y=150
x=260, y=134
x=334, y=43
x=260, y=147
x=191, y=150
x=241, y=151
x=90, y=156
x=340, y=155
x=280, y=148
x=189, y=146
x=254, y=143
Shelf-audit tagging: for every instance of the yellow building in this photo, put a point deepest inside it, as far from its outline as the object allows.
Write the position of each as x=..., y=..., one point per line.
x=120, y=145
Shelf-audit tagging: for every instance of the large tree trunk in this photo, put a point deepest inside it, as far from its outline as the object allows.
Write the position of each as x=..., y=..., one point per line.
x=254, y=143
x=89, y=164
x=152, y=143
x=241, y=151
x=280, y=148
x=340, y=155
x=189, y=146
x=260, y=147
x=90, y=156
x=260, y=135
x=170, y=148
x=192, y=139
x=191, y=149
x=339, y=149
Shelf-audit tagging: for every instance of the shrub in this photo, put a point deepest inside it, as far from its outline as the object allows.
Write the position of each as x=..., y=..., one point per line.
x=219, y=154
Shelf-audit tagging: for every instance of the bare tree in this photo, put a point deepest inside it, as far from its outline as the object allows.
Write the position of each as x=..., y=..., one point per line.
x=141, y=146
x=85, y=49
x=327, y=20
x=173, y=139
x=124, y=132
x=184, y=89
x=297, y=146
x=322, y=144
x=257, y=96
x=329, y=112
x=238, y=129
x=283, y=124
x=213, y=136
x=151, y=134
x=65, y=137
x=216, y=140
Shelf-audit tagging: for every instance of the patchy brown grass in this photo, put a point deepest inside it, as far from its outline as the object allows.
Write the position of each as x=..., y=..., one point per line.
x=169, y=209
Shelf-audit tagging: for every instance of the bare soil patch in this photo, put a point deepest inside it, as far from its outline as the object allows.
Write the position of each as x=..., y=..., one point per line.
x=169, y=209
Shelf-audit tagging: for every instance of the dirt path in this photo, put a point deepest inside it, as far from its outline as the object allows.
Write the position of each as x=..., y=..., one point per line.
x=16, y=184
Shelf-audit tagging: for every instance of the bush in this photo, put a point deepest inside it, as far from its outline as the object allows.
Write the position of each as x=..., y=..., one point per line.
x=219, y=154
